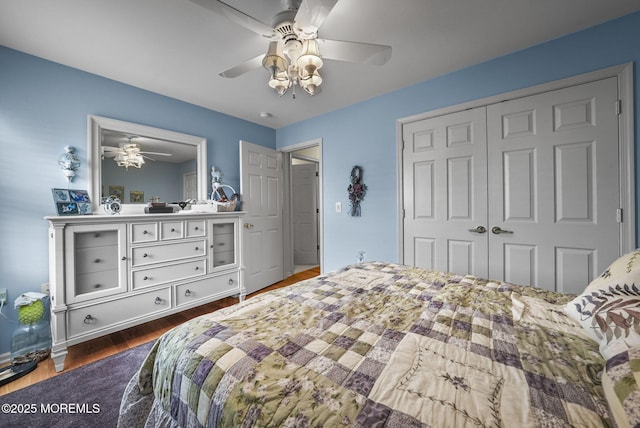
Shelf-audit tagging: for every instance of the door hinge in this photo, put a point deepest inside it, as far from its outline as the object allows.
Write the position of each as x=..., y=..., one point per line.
x=618, y=107
x=619, y=215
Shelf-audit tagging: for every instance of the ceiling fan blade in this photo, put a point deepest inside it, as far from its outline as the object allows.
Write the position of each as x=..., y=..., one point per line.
x=365, y=53
x=109, y=148
x=156, y=153
x=245, y=67
x=310, y=16
x=237, y=16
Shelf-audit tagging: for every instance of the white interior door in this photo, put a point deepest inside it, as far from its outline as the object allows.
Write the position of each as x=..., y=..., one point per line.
x=261, y=190
x=553, y=186
x=190, y=186
x=445, y=192
x=305, y=213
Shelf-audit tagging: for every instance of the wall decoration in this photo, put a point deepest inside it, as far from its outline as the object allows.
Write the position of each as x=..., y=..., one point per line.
x=71, y=202
x=69, y=162
x=136, y=196
x=357, y=189
x=117, y=191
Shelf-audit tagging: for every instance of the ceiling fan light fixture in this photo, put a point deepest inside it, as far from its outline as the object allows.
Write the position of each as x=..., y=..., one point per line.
x=129, y=155
x=310, y=59
x=310, y=81
x=280, y=82
x=274, y=60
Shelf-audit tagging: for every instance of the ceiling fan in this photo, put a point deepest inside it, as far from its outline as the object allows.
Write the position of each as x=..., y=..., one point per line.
x=295, y=52
x=129, y=154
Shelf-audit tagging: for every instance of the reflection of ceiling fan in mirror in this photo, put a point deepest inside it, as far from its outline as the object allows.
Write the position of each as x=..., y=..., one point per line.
x=295, y=52
x=129, y=154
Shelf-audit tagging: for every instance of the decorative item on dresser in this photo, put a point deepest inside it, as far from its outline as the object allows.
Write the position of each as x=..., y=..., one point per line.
x=108, y=273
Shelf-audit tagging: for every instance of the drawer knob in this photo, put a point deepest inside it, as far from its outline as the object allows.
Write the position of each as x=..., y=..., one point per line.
x=144, y=232
x=96, y=261
x=187, y=292
x=145, y=255
x=158, y=301
x=197, y=248
x=97, y=286
x=146, y=278
x=96, y=235
x=197, y=267
x=123, y=258
x=89, y=319
x=196, y=228
x=173, y=229
x=230, y=281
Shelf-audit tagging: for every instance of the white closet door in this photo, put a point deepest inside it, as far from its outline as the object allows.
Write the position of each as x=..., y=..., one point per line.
x=445, y=192
x=553, y=186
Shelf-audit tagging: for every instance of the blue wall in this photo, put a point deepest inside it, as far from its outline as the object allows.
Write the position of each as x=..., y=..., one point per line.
x=365, y=133
x=43, y=107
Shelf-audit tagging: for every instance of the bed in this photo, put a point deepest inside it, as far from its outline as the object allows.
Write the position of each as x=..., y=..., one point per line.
x=381, y=344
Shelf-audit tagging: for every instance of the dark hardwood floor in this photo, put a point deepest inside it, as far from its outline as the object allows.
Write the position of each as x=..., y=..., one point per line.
x=96, y=349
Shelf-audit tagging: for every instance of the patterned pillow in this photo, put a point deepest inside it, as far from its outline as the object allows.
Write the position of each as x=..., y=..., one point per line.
x=620, y=382
x=609, y=308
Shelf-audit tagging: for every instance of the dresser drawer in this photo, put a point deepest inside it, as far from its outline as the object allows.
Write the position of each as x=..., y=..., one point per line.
x=221, y=258
x=203, y=288
x=162, y=274
x=97, y=281
x=103, y=315
x=221, y=228
x=96, y=259
x=195, y=228
x=222, y=242
x=170, y=230
x=141, y=256
x=96, y=239
x=144, y=232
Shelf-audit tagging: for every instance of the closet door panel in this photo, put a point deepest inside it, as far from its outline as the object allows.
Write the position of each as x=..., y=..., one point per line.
x=553, y=185
x=445, y=188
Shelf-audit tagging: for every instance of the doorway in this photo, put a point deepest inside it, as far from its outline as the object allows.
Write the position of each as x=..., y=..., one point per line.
x=303, y=219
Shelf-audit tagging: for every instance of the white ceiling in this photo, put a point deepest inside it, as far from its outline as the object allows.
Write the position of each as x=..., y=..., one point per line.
x=177, y=48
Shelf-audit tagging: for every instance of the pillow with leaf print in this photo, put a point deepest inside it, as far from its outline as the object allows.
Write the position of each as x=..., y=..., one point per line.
x=609, y=308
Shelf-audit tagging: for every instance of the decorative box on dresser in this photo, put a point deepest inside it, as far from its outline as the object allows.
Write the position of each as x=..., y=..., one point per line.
x=108, y=273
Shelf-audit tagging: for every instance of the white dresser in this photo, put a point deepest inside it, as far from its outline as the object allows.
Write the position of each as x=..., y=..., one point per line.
x=108, y=273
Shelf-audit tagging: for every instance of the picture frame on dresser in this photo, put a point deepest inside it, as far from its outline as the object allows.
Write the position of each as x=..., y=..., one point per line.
x=71, y=201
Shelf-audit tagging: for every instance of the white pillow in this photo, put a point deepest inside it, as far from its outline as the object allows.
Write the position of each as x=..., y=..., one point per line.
x=609, y=308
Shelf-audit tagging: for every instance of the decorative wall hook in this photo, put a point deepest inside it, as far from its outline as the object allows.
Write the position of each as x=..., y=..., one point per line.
x=357, y=189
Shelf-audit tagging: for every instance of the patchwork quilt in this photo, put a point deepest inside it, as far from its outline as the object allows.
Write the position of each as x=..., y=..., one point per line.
x=376, y=344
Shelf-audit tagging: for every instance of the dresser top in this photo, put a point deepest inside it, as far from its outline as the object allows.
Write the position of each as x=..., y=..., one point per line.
x=123, y=218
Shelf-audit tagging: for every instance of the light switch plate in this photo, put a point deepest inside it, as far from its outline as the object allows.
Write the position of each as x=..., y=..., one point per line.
x=338, y=207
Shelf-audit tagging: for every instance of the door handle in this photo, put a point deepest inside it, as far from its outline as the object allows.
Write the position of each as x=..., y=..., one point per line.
x=479, y=229
x=497, y=231
x=248, y=226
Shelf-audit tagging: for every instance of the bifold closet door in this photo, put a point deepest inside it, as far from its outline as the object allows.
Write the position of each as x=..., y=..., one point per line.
x=445, y=192
x=553, y=186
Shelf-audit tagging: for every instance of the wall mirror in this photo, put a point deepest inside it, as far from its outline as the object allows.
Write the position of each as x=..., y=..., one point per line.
x=136, y=163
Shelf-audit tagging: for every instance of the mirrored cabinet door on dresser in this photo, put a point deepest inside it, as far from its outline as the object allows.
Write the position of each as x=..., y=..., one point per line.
x=108, y=273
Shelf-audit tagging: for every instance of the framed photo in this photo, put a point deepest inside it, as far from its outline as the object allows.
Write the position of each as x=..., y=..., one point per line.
x=136, y=196
x=222, y=196
x=117, y=191
x=71, y=201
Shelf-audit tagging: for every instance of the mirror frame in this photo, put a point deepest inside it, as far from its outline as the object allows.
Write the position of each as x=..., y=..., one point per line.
x=96, y=124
